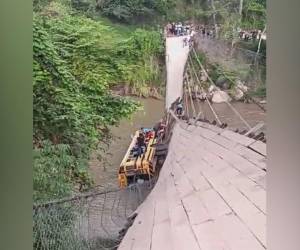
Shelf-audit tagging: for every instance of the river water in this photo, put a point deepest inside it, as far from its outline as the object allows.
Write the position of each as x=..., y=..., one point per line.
x=105, y=172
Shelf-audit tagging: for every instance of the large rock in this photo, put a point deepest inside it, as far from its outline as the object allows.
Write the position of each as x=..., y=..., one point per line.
x=220, y=96
x=211, y=88
x=239, y=90
x=240, y=85
x=237, y=94
x=203, y=76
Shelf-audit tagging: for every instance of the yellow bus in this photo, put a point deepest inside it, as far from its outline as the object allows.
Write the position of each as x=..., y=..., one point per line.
x=133, y=168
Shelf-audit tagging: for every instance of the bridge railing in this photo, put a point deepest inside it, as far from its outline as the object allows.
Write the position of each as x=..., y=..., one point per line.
x=95, y=220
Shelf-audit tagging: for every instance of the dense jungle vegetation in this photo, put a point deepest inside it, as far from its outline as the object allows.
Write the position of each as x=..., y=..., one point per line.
x=76, y=61
x=81, y=49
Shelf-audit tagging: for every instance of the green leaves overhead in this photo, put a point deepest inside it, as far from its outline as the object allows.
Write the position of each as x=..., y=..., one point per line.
x=130, y=10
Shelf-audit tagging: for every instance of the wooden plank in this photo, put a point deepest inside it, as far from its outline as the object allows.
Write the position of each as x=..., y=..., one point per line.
x=225, y=158
x=143, y=227
x=204, y=132
x=210, y=237
x=227, y=232
x=238, y=162
x=209, y=126
x=252, y=156
x=225, y=142
x=238, y=138
x=253, y=218
x=214, y=203
x=252, y=191
x=183, y=186
x=128, y=240
x=180, y=226
x=246, y=186
x=161, y=238
x=161, y=210
x=196, y=211
x=260, y=147
x=195, y=178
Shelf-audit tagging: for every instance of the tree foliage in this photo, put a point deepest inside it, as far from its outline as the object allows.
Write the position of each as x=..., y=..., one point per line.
x=129, y=10
x=76, y=61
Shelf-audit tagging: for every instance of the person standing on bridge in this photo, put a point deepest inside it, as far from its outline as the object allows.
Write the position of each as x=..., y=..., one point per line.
x=173, y=29
x=179, y=108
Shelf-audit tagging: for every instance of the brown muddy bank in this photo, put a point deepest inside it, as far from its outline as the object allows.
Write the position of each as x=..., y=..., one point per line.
x=125, y=90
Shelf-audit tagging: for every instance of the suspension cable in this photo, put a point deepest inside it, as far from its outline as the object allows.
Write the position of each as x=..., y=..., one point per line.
x=211, y=81
x=195, y=87
x=186, y=105
x=202, y=89
x=190, y=94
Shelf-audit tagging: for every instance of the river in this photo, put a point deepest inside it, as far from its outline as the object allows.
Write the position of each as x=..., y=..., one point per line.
x=104, y=173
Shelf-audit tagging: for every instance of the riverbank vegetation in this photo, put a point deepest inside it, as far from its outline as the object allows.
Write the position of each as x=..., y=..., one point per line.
x=76, y=61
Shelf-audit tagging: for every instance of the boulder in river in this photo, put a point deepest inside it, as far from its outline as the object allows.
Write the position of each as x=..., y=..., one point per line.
x=220, y=96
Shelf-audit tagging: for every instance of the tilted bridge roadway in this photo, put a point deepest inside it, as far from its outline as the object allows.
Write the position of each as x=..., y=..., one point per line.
x=211, y=192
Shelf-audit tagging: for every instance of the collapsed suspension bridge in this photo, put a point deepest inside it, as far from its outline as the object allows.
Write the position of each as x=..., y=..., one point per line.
x=210, y=193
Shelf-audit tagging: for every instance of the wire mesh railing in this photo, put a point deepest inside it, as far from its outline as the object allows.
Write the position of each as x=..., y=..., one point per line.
x=95, y=220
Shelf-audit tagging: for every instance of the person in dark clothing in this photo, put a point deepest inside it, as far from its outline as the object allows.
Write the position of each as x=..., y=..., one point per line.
x=179, y=109
x=140, y=144
x=173, y=28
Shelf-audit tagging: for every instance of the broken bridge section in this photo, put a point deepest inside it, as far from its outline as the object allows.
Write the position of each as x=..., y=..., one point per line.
x=210, y=195
x=211, y=191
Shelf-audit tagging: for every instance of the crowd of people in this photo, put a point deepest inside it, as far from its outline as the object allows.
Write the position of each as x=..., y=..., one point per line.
x=145, y=134
x=247, y=35
x=179, y=29
x=207, y=31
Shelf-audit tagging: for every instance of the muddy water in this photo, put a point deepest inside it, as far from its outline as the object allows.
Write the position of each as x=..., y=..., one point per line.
x=105, y=173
